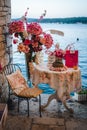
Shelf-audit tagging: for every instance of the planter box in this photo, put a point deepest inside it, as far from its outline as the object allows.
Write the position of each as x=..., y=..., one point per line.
x=80, y=97
x=3, y=115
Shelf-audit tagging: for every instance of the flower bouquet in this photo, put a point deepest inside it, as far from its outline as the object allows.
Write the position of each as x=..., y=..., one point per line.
x=29, y=37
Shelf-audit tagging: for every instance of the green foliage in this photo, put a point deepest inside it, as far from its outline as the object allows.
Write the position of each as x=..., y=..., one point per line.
x=83, y=92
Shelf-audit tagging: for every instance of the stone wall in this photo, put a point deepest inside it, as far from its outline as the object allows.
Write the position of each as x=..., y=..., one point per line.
x=5, y=43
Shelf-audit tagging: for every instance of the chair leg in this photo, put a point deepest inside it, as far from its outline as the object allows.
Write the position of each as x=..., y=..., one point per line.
x=18, y=103
x=9, y=93
x=40, y=105
x=28, y=106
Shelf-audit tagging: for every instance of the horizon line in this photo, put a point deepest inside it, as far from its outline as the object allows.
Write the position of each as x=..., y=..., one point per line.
x=54, y=17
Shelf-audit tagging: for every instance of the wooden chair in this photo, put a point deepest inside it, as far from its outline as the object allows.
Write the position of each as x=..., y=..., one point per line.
x=19, y=87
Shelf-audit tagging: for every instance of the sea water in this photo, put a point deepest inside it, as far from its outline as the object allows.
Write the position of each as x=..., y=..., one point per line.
x=73, y=33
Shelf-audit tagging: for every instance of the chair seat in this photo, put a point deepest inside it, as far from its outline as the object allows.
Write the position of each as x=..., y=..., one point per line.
x=30, y=92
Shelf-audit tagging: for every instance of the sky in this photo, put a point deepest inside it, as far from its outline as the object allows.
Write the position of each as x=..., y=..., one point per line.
x=55, y=8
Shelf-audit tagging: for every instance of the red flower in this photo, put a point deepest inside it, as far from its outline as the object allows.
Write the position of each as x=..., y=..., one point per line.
x=0, y=67
x=15, y=41
x=27, y=42
x=16, y=34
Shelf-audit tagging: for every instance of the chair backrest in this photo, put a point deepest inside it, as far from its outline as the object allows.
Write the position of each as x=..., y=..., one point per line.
x=10, y=68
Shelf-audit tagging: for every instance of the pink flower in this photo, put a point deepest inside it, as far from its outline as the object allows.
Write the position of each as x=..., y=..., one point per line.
x=16, y=26
x=34, y=28
x=59, y=53
x=47, y=40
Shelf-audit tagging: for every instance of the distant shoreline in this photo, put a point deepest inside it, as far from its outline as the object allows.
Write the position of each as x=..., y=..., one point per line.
x=70, y=20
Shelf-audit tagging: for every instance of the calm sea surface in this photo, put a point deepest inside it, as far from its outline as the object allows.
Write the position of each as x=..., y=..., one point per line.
x=71, y=33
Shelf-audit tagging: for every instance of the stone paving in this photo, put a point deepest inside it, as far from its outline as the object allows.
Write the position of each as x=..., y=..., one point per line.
x=54, y=117
x=44, y=123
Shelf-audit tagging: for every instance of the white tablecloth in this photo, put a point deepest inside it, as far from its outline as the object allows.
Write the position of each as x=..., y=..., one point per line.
x=64, y=82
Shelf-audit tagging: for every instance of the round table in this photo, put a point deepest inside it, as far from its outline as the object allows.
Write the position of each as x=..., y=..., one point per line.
x=64, y=82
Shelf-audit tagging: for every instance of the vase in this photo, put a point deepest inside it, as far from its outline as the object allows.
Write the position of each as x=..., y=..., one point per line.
x=39, y=57
x=36, y=57
x=28, y=59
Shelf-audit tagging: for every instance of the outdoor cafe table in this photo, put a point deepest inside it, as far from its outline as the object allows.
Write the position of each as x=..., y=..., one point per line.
x=64, y=82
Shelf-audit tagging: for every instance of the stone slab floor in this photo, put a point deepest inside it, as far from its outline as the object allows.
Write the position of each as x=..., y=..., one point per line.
x=54, y=117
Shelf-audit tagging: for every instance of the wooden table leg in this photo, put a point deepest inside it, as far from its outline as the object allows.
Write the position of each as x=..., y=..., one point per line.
x=51, y=97
x=55, y=96
x=63, y=97
x=65, y=105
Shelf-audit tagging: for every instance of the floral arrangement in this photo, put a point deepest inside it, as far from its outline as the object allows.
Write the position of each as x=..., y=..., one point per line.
x=29, y=37
x=55, y=58
x=58, y=53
